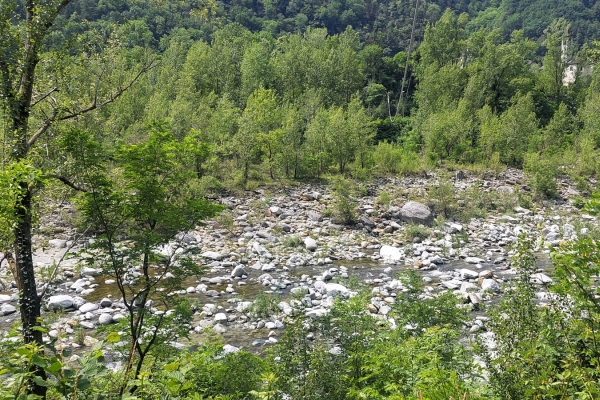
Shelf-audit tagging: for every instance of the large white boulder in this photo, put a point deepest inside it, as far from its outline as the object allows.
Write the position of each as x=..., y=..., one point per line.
x=60, y=301
x=391, y=253
x=416, y=212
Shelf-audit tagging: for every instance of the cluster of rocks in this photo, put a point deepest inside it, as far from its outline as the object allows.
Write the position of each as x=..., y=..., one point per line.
x=287, y=243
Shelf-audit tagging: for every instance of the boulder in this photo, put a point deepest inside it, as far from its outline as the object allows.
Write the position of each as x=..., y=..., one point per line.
x=391, y=253
x=87, y=307
x=238, y=272
x=7, y=309
x=310, y=243
x=490, y=285
x=213, y=255
x=87, y=271
x=105, y=302
x=416, y=212
x=105, y=319
x=60, y=301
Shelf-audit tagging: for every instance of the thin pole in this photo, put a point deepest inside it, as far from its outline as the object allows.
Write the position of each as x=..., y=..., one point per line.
x=410, y=44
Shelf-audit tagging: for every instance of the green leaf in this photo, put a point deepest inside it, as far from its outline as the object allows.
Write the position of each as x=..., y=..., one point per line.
x=83, y=384
x=40, y=382
x=113, y=337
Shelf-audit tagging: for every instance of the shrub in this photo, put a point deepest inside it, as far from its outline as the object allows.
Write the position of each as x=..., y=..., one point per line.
x=344, y=201
x=264, y=305
x=413, y=231
x=292, y=241
x=541, y=173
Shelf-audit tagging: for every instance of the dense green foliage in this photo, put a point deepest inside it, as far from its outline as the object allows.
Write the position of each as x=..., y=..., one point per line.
x=221, y=95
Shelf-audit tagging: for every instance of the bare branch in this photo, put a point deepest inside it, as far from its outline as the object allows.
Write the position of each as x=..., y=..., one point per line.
x=68, y=183
x=94, y=106
x=44, y=96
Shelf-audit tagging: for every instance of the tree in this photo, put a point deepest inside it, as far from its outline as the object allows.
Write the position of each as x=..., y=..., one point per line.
x=258, y=130
x=35, y=97
x=141, y=210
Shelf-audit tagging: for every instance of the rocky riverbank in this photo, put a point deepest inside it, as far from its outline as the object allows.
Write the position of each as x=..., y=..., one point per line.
x=285, y=243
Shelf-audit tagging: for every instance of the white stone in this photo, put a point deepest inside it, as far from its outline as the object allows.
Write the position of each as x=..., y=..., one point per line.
x=416, y=212
x=474, y=260
x=221, y=317
x=7, y=309
x=238, y=272
x=468, y=274
x=105, y=319
x=60, y=301
x=310, y=243
x=213, y=255
x=87, y=271
x=57, y=243
x=490, y=285
x=390, y=253
x=87, y=307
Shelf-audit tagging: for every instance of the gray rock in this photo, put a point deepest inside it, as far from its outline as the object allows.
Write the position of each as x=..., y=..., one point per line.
x=57, y=243
x=314, y=216
x=87, y=271
x=229, y=349
x=213, y=255
x=87, y=325
x=238, y=272
x=468, y=274
x=87, y=307
x=243, y=306
x=490, y=285
x=416, y=212
x=60, y=301
x=4, y=298
x=105, y=319
x=474, y=260
x=105, y=302
x=7, y=309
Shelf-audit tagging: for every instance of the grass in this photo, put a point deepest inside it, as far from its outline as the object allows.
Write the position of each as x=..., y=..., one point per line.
x=413, y=231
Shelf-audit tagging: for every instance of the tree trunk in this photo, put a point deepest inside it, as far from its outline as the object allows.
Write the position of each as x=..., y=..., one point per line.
x=30, y=302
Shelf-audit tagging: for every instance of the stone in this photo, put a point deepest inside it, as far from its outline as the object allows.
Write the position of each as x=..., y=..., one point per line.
x=416, y=212
x=275, y=210
x=541, y=278
x=213, y=255
x=87, y=325
x=89, y=341
x=474, y=260
x=87, y=271
x=390, y=253
x=105, y=302
x=243, y=306
x=105, y=319
x=60, y=301
x=490, y=285
x=238, y=272
x=87, y=307
x=7, y=309
x=221, y=317
x=229, y=349
x=4, y=298
x=310, y=243
x=57, y=243
x=468, y=274
x=336, y=289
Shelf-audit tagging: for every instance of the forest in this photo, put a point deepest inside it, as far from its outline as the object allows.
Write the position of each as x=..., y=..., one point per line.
x=142, y=114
